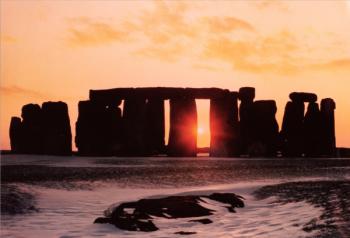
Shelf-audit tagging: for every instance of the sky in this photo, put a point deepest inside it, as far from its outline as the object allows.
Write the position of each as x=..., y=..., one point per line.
x=58, y=50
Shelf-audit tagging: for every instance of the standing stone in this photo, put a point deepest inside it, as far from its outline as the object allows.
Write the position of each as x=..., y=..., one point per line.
x=328, y=125
x=57, y=137
x=247, y=120
x=312, y=130
x=265, y=136
x=113, y=130
x=155, y=127
x=134, y=122
x=183, y=127
x=99, y=129
x=292, y=129
x=224, y=126
x=303, y=97
x=32, y=129
x=16, y=135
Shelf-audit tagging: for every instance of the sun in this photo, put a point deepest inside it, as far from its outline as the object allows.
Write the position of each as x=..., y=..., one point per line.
x=200, y=130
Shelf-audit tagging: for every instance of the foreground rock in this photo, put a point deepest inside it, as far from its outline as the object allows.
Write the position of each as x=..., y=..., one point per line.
x=138, y=216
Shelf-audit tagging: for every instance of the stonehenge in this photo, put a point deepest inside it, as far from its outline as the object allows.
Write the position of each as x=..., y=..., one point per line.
x=224, y=126
x=42, y=130
x=131, y=122
x=183, y=127
x=310, y=134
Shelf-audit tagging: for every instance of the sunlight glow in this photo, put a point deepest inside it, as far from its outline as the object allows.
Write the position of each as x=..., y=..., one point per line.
x=200, y=131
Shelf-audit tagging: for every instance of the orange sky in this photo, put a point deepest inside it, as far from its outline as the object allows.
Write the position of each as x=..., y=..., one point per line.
x=58, y=50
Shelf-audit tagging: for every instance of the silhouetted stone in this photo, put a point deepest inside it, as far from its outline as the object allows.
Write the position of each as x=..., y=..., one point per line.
x=224, y=126
x=98, y=129
x=246, y=94
x=328, y=127
x=32, y=129
x=265, y=135
x=16, y=134
x=155, y=127
x=303, y=97
x=183, y=127
x=134, y=122
x=247, y=120
x=114, y=95
x=139, y=215
x=57, y=137
x=292, y=129
x=312, y=130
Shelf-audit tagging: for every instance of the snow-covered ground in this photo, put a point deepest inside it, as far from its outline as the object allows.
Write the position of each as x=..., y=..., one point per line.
x=68, y=205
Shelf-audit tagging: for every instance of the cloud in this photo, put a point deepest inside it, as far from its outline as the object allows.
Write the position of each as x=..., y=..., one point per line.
x=87, y=32
x=8, y=39
x=333, y=65
x=21, y=91
x=168, y=53
x=271, y=54
x=226, y=24
x=268, y=4
x=169, y=31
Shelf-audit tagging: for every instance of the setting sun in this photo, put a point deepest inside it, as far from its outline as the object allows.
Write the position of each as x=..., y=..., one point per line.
x=200, y=131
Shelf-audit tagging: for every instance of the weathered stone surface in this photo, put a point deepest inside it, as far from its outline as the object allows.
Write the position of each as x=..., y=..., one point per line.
x=139, y=215
x=57, y=137
x=224, y=127
x=328, y=127
x=312, y=130
x=183, y=127
x=155, y=126
x=265, y=134
x=16, y=134
x=303, y=97
x=292, y=129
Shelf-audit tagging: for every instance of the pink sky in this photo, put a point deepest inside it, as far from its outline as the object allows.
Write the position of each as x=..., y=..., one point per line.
x=58, y=50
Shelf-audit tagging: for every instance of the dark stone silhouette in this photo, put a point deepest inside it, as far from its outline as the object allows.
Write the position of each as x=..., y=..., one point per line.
x=224, y=126
x=16, y=134
x=32, y=133
x=265, y=134
x=155, y=127
x=312, y=130
x=43, y=130
x=144, y=211
x=246, y=116
x=98, y=129
x=103, y=130
x=183, y=127
x=292, y=129
x=312, y=134
x=57, y=137
x=303, y=97
x=134, y=122
x=328, y=147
